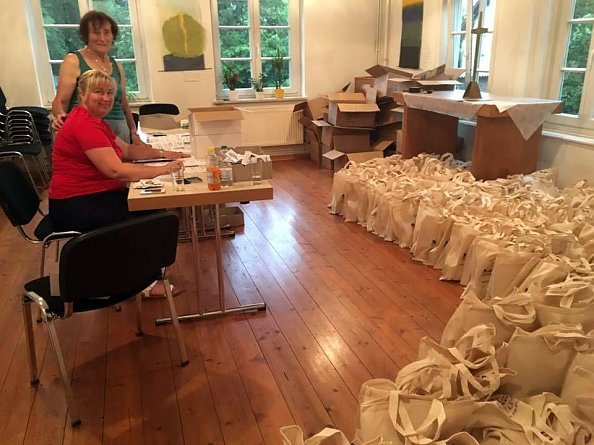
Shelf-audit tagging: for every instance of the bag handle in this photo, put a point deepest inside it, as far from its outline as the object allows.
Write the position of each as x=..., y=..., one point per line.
x=403, y=424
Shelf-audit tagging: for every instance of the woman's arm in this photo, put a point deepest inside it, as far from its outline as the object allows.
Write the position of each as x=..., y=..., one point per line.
x=134, y=138
x=146, y=151
x=108, y=163
x=69, y=72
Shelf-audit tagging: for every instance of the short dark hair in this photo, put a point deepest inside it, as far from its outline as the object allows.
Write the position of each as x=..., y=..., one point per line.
x=95, y=19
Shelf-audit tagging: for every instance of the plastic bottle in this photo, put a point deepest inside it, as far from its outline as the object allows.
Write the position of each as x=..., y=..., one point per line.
x=213, y=171
x=226, y=169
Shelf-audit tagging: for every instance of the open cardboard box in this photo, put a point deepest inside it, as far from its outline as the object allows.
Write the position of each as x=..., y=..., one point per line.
x=313, y=108
x=335, y=159
x=158, y=121
x=244, y=172
x=213, y=127
x=358, y=115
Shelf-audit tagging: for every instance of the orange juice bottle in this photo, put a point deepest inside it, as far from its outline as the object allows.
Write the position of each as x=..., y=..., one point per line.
x=213, y=171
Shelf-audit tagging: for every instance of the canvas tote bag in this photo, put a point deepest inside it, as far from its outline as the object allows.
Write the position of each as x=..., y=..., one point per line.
x=293, y=435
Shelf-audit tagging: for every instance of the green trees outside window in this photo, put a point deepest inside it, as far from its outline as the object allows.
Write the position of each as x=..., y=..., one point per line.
x=239, y=35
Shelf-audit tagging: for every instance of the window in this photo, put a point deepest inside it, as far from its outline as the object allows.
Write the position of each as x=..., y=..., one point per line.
x=572, y=81
x=57, y=34
x=249, y=34
x=463, y=17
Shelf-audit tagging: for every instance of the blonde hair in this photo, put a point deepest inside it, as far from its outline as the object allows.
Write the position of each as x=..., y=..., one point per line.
x=89, y=80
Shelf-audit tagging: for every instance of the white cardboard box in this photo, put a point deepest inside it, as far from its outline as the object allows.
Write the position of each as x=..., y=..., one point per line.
x=213, y=127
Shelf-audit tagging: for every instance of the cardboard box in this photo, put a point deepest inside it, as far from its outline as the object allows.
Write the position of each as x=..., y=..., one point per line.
x=349, y=139
x=359, y=115
x=335, y=160
x=213, y=127
x=360, y=82
x=228, y=216
x=315, y=146
x=346, y=98
x=244, y=172
x=158, y=121
x=313, y=108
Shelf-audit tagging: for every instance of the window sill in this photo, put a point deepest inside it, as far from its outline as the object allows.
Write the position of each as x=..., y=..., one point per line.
x=266, y=100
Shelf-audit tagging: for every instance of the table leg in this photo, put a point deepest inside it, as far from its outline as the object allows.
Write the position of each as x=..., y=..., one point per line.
x=219, y=258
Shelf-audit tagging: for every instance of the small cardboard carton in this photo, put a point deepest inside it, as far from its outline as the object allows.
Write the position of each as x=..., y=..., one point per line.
x=213, y=127
x=158, y=121
x=358, y=115
x=335, y=159
x=244, y=172
x=229, y=216
x=349, y=139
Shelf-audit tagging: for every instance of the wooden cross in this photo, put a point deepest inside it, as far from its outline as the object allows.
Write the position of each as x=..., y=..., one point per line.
x=477, y=49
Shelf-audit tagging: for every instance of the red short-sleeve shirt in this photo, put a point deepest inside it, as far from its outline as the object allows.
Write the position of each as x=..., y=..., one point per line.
x=73, y=173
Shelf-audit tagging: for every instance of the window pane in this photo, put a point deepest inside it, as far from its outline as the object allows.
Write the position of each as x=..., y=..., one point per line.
x=61, y=41
x=269, y=74
x=274, y=12
x=489, y=15
x=123, y=48
x=233, y=12
x=485, y=55
x=60, y=12
x=459, y=48
x=55, y=72
x=271, y=39
x=583, y=9
x=235, y=43
x=459, y=16
x=116, y=9
x=475, y=13
x=579, y=45
x=131, y=76
x=571, y=92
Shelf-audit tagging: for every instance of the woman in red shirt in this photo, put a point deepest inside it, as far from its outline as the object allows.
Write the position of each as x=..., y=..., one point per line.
x=87, y=188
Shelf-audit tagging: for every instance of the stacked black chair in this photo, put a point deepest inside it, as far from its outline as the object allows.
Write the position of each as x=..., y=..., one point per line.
x=102, y=268
x=3, y=112
x=22, y=136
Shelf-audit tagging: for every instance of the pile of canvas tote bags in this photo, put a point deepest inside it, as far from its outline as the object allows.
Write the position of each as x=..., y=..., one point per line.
x=515, y=364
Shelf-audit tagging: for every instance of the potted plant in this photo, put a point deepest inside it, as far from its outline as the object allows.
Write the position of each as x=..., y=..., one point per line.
x=278, y=64
x=231, y=80
x=258, y=84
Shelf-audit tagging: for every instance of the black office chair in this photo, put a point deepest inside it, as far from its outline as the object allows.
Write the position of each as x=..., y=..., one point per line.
x=102, y=268
x=160, y=108
x=20, y=202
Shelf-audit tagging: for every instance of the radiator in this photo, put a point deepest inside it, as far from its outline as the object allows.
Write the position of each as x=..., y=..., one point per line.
x=271, y=125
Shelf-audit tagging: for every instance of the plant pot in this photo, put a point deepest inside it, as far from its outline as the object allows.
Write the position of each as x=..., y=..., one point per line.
x=233, y=95
x=279, y=93
x=259, y=95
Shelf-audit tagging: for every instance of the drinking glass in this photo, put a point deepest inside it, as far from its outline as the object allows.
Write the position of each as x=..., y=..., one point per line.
x=178, y=179
x=257, y=166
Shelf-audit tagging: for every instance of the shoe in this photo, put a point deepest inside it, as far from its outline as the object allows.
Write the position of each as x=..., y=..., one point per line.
x=150, y=293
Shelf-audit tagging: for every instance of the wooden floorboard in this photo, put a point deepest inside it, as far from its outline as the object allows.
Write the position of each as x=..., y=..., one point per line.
x=343, y=306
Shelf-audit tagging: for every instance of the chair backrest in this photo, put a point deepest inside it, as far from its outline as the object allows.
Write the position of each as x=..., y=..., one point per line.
x=18, y=197
x=158, y=109
x=20, y=128
x=122, y=258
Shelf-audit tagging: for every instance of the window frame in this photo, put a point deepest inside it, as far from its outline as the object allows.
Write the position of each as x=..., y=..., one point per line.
x=581, y=124
x=44, y=63
x=294, y=26
x=452, y=34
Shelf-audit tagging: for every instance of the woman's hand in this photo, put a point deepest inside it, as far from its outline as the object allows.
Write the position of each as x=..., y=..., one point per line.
x=174, y=166
x=169, y=154
x=135, y=139
x=58, y=121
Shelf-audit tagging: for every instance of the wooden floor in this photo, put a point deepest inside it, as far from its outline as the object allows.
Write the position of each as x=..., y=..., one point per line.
x=343, y=307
